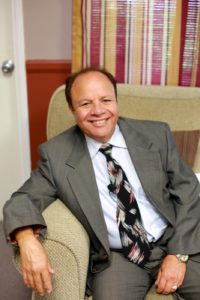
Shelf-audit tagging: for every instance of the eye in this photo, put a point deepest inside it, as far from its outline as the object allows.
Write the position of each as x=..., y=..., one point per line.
x=84, y=104
x=106, y=100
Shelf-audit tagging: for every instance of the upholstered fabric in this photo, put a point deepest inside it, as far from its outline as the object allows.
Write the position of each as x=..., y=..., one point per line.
x=178, y=106
x=67, y=245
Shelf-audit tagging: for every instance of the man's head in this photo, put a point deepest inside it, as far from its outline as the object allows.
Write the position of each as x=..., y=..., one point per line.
x=92, y=98
x=70, y=80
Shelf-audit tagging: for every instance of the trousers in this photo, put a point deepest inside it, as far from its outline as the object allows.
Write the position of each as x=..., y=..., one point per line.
x=124, y=280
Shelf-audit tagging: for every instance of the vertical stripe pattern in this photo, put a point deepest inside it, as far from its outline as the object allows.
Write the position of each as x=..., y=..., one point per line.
x=139, y=41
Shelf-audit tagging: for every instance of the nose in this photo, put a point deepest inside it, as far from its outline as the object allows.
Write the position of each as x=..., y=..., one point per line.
x=97, y=108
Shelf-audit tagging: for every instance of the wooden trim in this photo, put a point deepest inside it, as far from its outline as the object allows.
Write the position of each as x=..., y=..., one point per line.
x=50, y=66
x=43, y=78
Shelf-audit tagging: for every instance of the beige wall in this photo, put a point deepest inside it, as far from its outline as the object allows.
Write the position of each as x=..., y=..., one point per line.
x=47, y=26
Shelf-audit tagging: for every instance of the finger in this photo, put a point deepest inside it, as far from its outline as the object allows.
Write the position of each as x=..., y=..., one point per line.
x=174, y=288
x=158, y=278
x=30, y=280
x=47, y=284
x=181, y=275
x=25, y=279
x=25, y=275
x=177, y=282
x=161, y=285
x=169, y=288
x=39, y=286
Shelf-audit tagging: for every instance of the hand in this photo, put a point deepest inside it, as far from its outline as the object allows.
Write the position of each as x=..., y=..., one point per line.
x=36, y=270
x=171, y=274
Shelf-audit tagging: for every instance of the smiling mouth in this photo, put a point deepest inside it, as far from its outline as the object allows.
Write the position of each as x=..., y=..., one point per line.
x=99, y=122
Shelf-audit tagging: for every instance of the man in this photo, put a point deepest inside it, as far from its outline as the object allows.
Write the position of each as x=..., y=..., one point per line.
x=156, y=241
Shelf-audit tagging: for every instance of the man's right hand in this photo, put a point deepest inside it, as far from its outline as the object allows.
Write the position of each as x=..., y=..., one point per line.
x=36, y=269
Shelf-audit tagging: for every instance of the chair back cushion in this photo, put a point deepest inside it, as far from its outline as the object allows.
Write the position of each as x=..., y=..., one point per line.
x=178, y=106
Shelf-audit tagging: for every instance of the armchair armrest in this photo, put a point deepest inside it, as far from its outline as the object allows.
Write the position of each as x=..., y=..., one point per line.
x=67, y=246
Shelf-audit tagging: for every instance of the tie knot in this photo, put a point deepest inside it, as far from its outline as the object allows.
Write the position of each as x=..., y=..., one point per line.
x=106, y=149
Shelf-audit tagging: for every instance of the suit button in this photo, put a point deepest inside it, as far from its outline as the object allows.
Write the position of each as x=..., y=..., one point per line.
x=94, y=270
x=105, y=257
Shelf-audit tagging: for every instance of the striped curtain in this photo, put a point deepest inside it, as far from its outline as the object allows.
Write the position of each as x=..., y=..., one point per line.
x=139, y=41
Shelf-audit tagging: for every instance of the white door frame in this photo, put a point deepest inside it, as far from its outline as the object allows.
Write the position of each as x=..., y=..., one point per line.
x=21, y=86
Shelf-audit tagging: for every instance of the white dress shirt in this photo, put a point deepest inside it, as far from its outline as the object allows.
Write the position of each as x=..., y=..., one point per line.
x=153, y=222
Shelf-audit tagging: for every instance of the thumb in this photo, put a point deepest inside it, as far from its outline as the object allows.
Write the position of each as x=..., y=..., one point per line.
x=158, y=278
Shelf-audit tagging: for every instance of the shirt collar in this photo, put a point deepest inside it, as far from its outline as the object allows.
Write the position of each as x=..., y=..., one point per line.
x=117, y=140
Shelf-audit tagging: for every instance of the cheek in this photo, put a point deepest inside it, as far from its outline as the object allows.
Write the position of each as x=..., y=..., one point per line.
x=114, y=111
x=80, y=118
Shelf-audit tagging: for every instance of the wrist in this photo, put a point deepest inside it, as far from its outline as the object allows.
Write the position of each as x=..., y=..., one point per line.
x=23, y=233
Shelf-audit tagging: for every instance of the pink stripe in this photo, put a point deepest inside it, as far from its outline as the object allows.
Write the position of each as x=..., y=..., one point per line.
x=146, y=42
x=121, y=40
x=84, y=36
x=183, y=31
x=189, y=44
x=95, y=33
x=158, y=20
x=142, y=48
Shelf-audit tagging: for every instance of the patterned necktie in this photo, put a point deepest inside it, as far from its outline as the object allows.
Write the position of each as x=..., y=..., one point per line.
x=133, y=236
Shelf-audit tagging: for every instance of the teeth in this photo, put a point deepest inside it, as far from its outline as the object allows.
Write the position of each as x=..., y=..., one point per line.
x=99, y=122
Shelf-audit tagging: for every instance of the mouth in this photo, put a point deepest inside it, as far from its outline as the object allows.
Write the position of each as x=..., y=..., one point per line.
x=99, y=123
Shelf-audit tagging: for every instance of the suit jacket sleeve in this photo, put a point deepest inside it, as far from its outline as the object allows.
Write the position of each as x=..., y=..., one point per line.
x=184, y=191
x=25, y=206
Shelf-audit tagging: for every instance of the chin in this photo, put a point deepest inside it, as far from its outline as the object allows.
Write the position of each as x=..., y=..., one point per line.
x=102, y=140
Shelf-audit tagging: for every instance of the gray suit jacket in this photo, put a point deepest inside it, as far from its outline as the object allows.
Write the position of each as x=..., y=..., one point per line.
x=66, y=172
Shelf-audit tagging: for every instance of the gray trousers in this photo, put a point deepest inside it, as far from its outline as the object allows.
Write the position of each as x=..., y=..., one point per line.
x=124, y=280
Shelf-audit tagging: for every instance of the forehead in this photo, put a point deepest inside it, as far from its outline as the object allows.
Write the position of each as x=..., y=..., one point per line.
x=91, y=76
x=90, y=85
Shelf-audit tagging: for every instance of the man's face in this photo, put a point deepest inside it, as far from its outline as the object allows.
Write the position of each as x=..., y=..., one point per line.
x=94, y=105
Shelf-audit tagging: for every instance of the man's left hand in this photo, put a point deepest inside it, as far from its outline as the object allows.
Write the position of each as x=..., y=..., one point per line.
x=170, y=275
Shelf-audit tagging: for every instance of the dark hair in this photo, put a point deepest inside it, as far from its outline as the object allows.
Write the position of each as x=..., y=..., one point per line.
x=70, y=80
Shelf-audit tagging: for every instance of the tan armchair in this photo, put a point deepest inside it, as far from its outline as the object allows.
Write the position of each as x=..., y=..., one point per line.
x=178, y=106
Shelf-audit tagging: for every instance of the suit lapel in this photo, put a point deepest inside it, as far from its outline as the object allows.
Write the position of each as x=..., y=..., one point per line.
x=81, y=177
x=147, y=162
